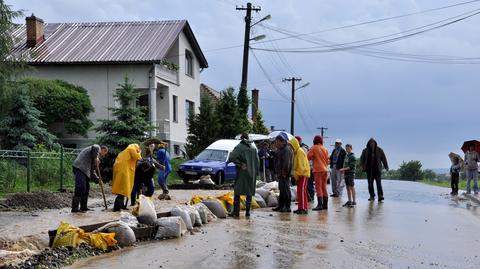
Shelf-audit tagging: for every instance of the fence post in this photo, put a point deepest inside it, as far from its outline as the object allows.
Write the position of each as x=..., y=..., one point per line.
x=29, y=170
x=61, y=168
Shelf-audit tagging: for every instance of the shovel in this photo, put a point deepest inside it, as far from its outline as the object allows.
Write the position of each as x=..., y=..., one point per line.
x=100, y=181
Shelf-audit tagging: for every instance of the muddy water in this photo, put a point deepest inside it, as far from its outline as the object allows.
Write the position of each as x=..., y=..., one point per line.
x=418, y=226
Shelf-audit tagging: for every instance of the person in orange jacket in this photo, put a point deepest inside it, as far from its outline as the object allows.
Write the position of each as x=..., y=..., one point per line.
x=319, y=155
x=301, y=173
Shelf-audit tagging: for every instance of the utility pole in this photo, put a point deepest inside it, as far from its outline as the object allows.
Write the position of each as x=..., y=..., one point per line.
x=322, y=129
x=246, y=43
x=292, y=111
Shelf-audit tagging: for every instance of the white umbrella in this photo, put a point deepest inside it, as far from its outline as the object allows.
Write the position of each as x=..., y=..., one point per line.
x=255, y=137
x=274, y=135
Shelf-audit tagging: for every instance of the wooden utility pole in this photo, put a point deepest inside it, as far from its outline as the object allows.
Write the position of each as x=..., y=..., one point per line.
x=292, y=107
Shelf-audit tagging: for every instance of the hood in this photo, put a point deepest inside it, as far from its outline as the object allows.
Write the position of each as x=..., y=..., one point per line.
x=294, y=143
x=371, y=139
x=247, y=142
x=134, y=147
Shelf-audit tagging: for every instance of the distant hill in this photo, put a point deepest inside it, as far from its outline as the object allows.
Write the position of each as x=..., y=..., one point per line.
x=441, y=171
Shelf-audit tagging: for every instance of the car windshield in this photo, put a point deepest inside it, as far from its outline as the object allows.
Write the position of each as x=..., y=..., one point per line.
x=213, y=155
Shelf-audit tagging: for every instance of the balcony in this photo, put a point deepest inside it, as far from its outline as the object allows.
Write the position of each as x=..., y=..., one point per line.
x=163, y=129
x=164, y=73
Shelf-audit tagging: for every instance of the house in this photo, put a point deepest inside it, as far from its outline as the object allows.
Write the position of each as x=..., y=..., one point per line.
x=213, y=94
x=163, y=58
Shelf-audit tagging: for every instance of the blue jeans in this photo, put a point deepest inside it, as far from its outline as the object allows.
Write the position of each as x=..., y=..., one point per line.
x=472, y=174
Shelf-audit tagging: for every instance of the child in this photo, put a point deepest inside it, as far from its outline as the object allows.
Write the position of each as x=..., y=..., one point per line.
x=455, y=173
x=349, y=169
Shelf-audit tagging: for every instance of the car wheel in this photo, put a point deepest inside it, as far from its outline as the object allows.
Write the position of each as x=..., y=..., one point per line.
x=219, y=178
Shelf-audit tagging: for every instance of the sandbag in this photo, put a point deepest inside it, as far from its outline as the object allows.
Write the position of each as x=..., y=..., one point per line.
x=263, y=192
x=207, y=180
x=123, y=233
x=129, y=219
x=194, y=215
x=146, y=211
x=272, y=199
x=68, y=236
x=216, y=208
x=259, y=183
x=102, y=240
x=260, y=201
x=180, y=212
x=202, y=211
x=243, y=199
x=293, y=191
x=170, y=227
x=271, y=186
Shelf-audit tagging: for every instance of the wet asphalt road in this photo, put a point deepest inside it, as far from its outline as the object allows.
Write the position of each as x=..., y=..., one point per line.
x=418, y=226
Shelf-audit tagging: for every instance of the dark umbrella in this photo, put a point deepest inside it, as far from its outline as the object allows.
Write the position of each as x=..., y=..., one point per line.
x=152, y=140
x=466, y=145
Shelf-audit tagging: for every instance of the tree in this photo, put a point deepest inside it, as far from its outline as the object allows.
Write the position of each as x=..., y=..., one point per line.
x=258, y=126
x=9, y=64
x=429, y=174
x=202, y=128
x=227, y=115
x=128, y=126
x=22, y=127
x=411, y=171
x=242, y=111
x=61, y=102
x=359, y=173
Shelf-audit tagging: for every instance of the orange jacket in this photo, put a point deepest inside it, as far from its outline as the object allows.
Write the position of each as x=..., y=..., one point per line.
x=319, y=155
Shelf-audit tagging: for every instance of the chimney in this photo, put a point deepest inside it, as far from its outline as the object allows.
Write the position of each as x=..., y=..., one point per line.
x=34, y=31
x=254, y=102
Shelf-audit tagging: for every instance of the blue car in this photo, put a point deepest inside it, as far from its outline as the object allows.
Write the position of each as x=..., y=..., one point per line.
x=211, y=161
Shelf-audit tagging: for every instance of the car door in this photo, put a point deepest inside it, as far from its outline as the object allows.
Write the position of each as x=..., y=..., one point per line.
x=230, y=170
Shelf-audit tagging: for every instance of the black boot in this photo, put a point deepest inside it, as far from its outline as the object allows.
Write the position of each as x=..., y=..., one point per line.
x=119, y=203
x=83, y=204
x=248, y=206
x=75, y=204
x=236, y=207
x=319, y=204
x=325, y=202
x=280, y=204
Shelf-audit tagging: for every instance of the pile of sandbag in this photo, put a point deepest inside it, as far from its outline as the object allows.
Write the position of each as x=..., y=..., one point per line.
x=269, y=193
x=71, y=236
x=170, y=227
x=145, y=212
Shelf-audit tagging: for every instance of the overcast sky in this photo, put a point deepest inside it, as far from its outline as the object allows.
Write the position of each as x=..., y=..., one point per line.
x=416, y=111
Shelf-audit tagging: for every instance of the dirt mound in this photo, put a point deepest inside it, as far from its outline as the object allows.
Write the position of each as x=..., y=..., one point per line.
x=37, y=200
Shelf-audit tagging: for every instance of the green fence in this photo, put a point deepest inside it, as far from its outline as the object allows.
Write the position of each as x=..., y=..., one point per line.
x=28, y=171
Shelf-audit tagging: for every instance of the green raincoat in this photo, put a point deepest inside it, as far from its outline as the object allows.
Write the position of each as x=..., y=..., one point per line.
x=245, y=154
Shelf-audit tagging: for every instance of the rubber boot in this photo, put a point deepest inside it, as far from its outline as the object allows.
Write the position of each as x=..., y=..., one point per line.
x=280, y=204
x=75, y=204
x=83, y=204
x=319, y=204
x=119, y=203
x=248, y=206
x=236, y=207
x=325, y=202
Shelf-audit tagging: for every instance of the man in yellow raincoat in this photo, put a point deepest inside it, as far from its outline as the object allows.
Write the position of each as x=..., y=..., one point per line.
x=123, y=174
x=301, y=172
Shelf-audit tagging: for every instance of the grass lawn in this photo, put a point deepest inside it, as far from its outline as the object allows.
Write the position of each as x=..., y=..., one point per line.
x=462, y=185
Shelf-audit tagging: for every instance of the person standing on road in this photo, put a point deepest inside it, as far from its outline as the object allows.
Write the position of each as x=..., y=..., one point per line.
x=336, y=163
x=319, y=155
x=301, y=173
x=245, y=158
x=264, y=156
x=455, y=174
x=283, y=169
x=163, y=157
x=371, y=161
x=84, y=169
x=349, y=170
x=311, y=181
x=471, y=168
x=123, y=174
x=144, y=175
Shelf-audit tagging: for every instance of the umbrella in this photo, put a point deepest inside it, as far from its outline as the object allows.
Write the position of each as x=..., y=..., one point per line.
x=452, y=155
x=285, y=135
x=254, y=137
x=152, y=140
x=467, y=144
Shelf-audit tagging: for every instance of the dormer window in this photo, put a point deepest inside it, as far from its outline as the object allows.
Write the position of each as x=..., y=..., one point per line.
x=188, y=63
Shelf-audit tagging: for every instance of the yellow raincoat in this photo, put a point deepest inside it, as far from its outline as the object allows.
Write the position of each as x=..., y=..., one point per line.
x=301, y=166
x=124, y=170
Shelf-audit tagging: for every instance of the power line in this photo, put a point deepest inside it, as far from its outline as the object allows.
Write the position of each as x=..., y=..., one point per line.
x=282, y=94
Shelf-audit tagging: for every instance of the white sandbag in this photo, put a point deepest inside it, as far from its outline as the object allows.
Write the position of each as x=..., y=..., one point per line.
x=123, y=233
x=271, y=186
x=293, y=191
x=195, y=215
x=202, y=211
x=262, y=192
x=206, y=179
x=272, y=199
x=129, y=219
x=170, y=227
x=180, y=212
x=146, y=212
x=216, y=207
x=260, y=201
x=259, y=183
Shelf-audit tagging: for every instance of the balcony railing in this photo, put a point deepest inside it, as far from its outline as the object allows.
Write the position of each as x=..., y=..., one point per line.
x=166, y=74
x=163, y=129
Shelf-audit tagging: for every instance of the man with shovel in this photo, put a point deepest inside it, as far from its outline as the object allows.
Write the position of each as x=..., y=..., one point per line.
x=85, y=168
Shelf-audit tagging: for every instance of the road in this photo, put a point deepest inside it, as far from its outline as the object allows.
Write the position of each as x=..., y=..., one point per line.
x=418, y=226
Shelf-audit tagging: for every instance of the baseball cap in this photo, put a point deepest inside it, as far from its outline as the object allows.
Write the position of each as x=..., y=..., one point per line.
x=338, y=140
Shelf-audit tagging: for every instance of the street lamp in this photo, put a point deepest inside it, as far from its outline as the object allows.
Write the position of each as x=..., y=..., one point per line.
x=303, y=86
x=263, y=19
x=258, y=38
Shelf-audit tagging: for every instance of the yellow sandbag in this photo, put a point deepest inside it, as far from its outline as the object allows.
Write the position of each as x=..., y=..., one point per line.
x=227, y=197
x=102, y=240
x=243, y=199
x=196, y=199
x=136, y=208
x=68, y=236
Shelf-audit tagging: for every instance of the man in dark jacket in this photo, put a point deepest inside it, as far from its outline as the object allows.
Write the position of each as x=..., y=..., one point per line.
x=245, y=158
x=371, y=161
x=283, y=169
x=337, y=159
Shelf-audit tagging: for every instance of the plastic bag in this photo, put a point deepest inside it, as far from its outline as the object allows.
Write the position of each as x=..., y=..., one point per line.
x=180, y=212
x=243, y=199
x=102, y=240
x=293, y=191
x=216, y=208
x=272, y=199
x=170, y=227
x=271, y=186
x=260, y=201
x=123, y=233
x=263, y=192
x=227, y=198
x=146, y=211
x=68, y=236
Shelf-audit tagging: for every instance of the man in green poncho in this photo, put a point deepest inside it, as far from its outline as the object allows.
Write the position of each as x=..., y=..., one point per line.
x=245, y=158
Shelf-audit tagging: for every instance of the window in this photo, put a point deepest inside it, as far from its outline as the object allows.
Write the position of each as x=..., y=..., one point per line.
x=176, y=150
x=175, y=108
x=188, y=63
x=142, y=103
x=189, y=110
